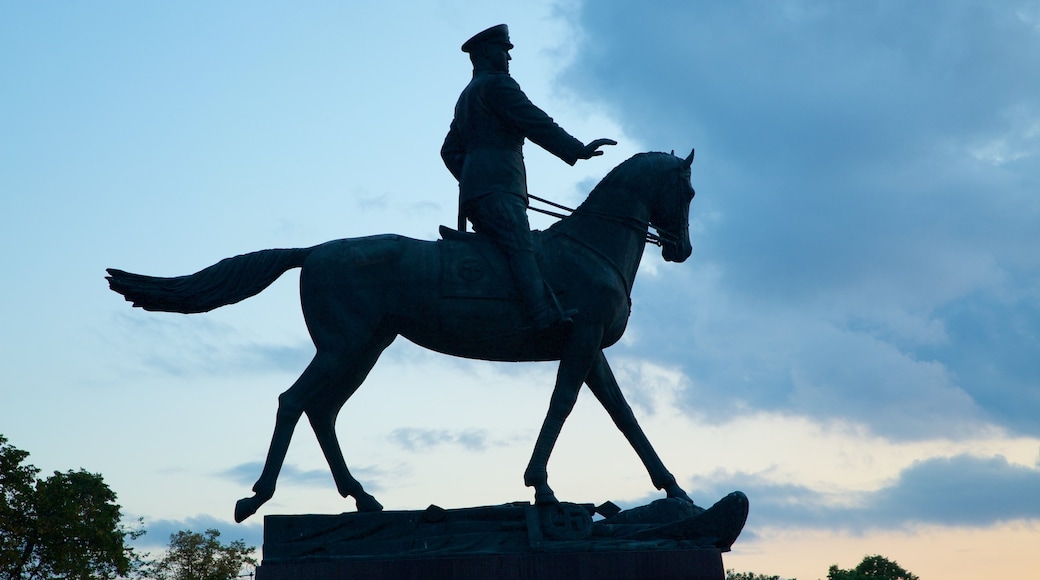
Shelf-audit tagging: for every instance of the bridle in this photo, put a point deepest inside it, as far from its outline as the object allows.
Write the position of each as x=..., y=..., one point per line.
x=663, y=234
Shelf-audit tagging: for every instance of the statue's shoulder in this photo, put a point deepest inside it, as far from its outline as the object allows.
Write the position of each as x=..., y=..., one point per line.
x=494, y=81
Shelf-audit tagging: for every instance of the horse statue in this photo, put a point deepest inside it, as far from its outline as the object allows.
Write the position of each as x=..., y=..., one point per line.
x=454, y=296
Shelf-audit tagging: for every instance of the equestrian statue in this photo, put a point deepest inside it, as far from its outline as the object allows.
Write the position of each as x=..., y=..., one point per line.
x=495, y=294
x=454, y=296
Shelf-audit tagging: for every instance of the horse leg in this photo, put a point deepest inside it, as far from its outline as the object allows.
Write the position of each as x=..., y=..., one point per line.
x=604, y=386
x=290, y=406
x=574, y=365
x=322, y=412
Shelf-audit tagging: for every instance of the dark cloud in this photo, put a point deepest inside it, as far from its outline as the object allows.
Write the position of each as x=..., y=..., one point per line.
x=864, y=228
x=995, y=352
x=963, y=490
x=980, y=490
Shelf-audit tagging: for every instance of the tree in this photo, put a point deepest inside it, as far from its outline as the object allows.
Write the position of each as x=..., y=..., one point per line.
x=871, y=568
x=734, y=575
x=65, y=526
x=194, y=556
x=16, y=507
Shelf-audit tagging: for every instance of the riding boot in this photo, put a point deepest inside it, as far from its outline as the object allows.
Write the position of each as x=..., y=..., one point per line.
x=539, y=300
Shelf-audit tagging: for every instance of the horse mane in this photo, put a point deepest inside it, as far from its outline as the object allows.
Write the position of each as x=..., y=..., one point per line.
x=635, y=174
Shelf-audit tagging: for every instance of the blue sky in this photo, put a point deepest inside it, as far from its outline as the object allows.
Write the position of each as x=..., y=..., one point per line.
x=854, y=342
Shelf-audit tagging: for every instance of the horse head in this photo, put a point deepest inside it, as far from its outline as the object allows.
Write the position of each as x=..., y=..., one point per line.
x=670, y=210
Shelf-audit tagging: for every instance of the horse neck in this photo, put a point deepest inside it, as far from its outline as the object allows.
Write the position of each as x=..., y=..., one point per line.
x=612, y=223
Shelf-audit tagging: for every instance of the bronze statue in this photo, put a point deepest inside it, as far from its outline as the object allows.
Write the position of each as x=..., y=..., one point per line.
x=455, y=296
x=484, y=151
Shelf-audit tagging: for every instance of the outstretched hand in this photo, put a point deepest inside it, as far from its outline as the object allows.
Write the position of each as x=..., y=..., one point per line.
x=592, y=149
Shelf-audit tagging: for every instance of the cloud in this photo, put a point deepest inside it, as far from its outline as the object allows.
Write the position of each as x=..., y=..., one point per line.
x=158, y=532
x=981, y=490
x=962, y=490
x=180, y=347
x=246, y=474
x=840, y=81
x=736, y=357
x=421, y=440
x=865, y=220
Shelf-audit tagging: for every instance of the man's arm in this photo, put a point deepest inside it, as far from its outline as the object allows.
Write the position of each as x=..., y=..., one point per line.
x=453, y=153
x=511, y=102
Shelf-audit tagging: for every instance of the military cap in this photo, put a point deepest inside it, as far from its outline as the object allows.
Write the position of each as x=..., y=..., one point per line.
x=498, y=34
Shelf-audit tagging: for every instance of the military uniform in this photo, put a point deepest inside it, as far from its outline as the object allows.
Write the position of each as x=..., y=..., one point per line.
x=484, y=151
x=484, y=146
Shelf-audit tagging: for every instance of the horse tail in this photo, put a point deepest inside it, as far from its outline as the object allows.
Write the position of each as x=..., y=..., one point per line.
x=228, y=281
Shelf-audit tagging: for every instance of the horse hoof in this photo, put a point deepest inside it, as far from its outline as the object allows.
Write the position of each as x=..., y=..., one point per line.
x=545, y=497
x=678, y=493
x=367, y=503
x=246, y=507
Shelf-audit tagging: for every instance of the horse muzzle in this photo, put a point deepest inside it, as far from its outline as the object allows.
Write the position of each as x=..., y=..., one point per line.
x=676, y=252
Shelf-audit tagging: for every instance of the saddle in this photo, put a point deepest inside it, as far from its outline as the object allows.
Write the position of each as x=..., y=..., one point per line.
x=472, y=266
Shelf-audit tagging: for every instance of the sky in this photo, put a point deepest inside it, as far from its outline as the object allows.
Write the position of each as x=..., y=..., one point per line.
x=854, y=343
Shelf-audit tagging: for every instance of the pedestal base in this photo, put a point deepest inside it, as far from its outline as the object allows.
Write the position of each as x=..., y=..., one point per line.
x=688, y=564
x=669, y=539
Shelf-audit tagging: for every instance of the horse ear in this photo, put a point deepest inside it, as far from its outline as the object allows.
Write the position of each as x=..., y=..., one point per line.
x=689, y=160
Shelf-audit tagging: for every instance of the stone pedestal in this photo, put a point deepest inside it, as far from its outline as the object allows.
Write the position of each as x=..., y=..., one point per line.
x=689, y=564
x=669, y=539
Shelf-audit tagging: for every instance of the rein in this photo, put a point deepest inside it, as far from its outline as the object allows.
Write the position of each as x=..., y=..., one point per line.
x=657, y=239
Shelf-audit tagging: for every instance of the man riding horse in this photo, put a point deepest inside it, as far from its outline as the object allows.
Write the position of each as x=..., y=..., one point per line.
x=358, y=294
x=484, y=151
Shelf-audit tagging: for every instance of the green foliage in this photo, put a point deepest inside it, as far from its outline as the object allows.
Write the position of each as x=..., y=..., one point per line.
x=16, y=507
x=194, y=556
x=64, y=526
x=871, y=568
x=734, y=575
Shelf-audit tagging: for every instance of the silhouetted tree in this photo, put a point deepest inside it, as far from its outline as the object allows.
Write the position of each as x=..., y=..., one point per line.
x=65, y=526
x=734, y=575
x=194, y=556
x=871, y=568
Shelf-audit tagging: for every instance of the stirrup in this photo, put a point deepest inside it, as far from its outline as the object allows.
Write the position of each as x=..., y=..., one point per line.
x=550, y=318
x=551, y=313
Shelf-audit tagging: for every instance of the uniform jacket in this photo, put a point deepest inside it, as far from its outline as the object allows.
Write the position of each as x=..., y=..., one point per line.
x=483, y=149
